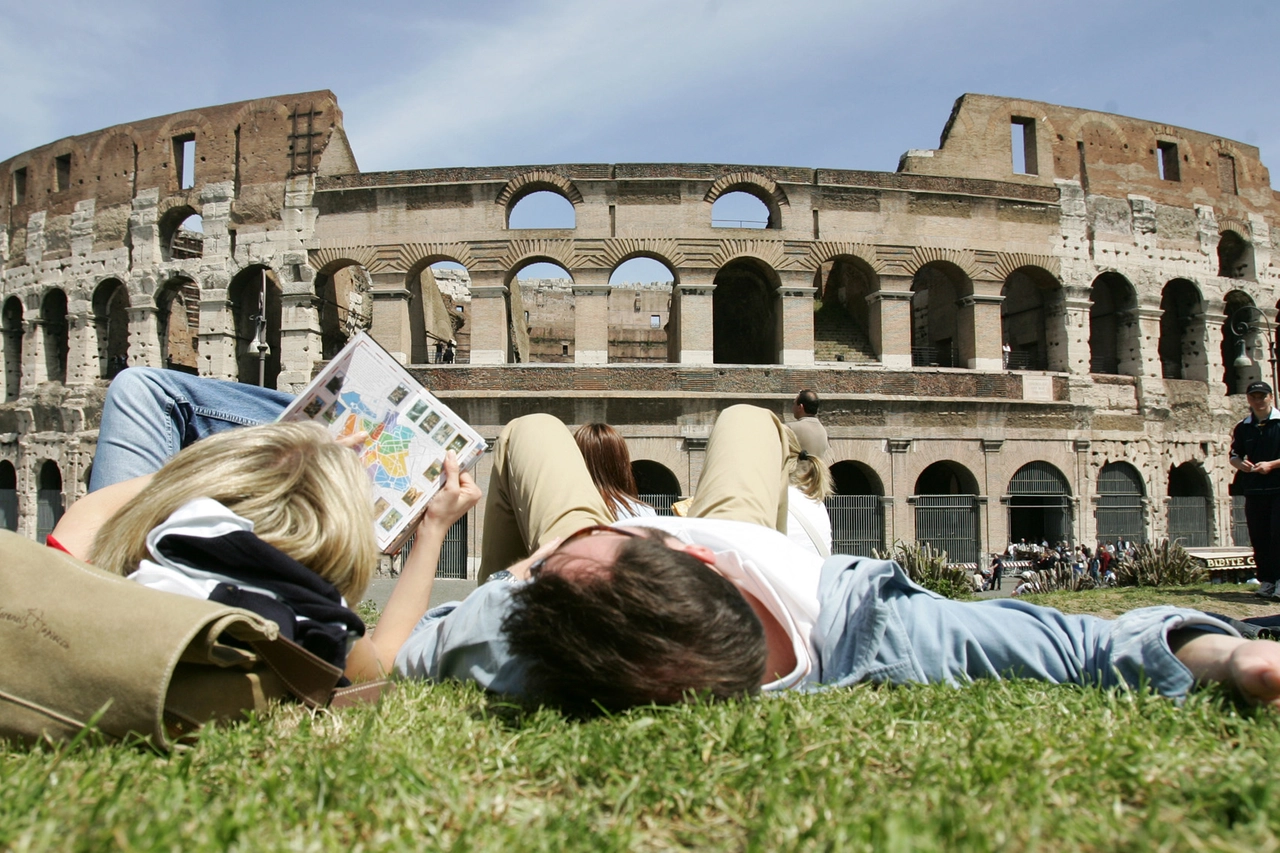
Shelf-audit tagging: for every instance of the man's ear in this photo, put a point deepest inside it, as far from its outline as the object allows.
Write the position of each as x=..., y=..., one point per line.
x=702, y=552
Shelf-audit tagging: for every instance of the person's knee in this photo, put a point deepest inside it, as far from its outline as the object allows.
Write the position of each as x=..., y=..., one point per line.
x=534, y=424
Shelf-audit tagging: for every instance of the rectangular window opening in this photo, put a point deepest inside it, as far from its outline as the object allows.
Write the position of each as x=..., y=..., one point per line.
x=1022, y=139
x=1227, y=173
x=62, y=173
x=1167, y=160
x=655, y=321
x=184, y=160
x=19, y=185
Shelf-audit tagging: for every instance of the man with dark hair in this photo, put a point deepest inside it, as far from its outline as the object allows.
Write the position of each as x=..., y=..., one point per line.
x=1255, y=454
x=808, y=429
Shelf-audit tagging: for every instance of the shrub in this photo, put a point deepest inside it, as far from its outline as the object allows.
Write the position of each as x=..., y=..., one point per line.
x=1165, y=564
x=929, y=568
x=1060, y=576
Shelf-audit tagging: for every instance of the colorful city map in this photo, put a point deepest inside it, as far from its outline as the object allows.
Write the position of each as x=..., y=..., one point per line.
x=386, y=453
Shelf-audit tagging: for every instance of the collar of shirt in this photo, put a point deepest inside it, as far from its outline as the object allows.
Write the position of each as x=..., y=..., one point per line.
x=1273, y=416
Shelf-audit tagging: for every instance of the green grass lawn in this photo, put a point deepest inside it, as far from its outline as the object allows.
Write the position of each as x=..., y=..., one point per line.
x=999, y=766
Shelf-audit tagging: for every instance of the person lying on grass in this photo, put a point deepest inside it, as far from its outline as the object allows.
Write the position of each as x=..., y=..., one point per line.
x=720, y=604
x=277, y=519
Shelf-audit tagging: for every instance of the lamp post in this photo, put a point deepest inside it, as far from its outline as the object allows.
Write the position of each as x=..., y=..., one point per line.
x=1245, y=320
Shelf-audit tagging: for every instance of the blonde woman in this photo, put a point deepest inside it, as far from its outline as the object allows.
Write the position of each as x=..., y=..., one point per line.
x=808, y=523
x=276, y=518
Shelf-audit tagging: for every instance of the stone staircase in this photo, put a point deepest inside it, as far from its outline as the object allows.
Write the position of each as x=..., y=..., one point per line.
x=838, y=337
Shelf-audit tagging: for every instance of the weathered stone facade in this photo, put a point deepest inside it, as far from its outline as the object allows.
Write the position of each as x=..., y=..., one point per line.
x=1056, y=336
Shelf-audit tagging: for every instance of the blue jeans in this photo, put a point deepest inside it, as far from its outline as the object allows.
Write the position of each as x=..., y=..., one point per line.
x=151, y=414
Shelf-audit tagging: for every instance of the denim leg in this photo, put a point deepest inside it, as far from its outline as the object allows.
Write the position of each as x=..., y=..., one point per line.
x=151, y=414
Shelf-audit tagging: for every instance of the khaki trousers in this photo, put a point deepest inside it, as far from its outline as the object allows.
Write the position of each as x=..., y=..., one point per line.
x=540, y=488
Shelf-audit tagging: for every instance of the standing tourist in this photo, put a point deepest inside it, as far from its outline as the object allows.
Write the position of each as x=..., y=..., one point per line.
x=1255, y=454
x=807, y=427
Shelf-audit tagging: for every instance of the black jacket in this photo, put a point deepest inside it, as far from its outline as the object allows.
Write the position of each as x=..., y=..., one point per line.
x=1256, y=441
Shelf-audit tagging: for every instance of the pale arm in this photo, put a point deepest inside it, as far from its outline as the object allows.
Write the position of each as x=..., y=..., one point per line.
x=375, y=654
x=78, y=526
x=1250, y=666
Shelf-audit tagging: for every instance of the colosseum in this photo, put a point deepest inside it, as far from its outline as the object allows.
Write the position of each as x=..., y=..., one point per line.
x=1039, y=329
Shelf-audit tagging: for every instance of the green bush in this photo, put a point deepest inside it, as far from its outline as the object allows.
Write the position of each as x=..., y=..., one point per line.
x=1061, y=577
x=928, y=567
x=1165, y=564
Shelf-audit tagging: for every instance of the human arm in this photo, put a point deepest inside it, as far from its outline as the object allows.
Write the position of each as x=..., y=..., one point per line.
x=1250, y=666
x=375, y=653
x=79, y=525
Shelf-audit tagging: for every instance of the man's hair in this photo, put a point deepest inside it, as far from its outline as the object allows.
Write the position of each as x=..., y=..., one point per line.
x=305, y=494
x=658, y=626
x=808, y=400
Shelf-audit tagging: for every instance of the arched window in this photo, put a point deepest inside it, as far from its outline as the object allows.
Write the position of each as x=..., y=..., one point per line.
x=8, y=496
x=744, y=311
x=842, y=325
x=256, y=307
x=1039, y=505
x=639, y=310
x=946, y=500
x=57, y=345
x=1181, y=347
x=540, y=297
x=1120, y=514
x=856, y=510
x=11, y=320
x=178, y=313
x=181, y=234
x=49, y=506
x=111, y=323
x=1030, y=321
x=656, y=484
x=542, y=209
x=341, y=290
x=935, y=330
x=1113, y=326
x=1243, y=347
x=740, y=209
x=1190, y=506
x=1235, y=256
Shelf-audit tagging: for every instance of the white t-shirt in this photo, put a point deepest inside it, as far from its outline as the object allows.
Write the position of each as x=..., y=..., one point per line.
x=800, y=505
x=766, y=564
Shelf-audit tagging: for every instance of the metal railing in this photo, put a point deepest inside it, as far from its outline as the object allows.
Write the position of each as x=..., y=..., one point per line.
x=1120, y=517
x=949, y=523
x=857, y=524
x=1239, y=526
x=1189, y=521
x=661, y=503
x=935, y=357
x=1026, y=361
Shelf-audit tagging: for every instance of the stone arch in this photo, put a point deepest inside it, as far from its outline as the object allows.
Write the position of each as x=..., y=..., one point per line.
x=11, y=327
x=57, y=340
x=8, y=496
x=1121, y=500
x=856, y=509
x=342, y=288
x=111, y=326
x=1235, y=255
x=853, y=477
x=1113, y=326
x=1190, y=505
x=1241, y=342
x=764, y=188
x=177, y=242
x=50, y=503
x=946, y=504
x=537, y=181
x=936, y=287
x=629, y=250
x=746, y=313
x=1181, y=331
x=639, y=308
x=1032, y=320
x=178, y=324
x=541, y=330
x=431, y=320
x=842, y=325
x=655, y=480
x=1039, y=500
x=194, y=125
x=254, y=326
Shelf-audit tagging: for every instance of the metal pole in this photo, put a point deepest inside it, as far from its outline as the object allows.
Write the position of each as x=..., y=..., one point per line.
x=260, y=339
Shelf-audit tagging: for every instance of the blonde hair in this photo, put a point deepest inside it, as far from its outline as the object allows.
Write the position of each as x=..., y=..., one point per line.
x=305, y=494
x=809, y=475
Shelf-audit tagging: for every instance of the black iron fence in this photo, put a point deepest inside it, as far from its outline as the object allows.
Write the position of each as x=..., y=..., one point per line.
x=1239, y=527
x=857, y=524
x=949, y=523
x=930, y=356
x=1120, y=517
x=1189, y=521
x=661, y=503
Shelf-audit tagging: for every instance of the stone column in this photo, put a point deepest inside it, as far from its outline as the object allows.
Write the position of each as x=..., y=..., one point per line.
x=144, y=337
x=34, y=370
x=1212, y=322
x=795, y=317
x=217, y=336
x=391, y=315
x=691, y=305
x=889, y=320
x=1075, y=309
x=490, y=336
x=591, y=316
x=83, y=358
x=1148, y=320
x=978, y=327
x=300, y=348
x=902, y=520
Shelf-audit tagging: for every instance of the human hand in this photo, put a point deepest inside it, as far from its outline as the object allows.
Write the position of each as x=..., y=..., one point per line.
x=355, y=440
x=1254, y=669
x=458, y=494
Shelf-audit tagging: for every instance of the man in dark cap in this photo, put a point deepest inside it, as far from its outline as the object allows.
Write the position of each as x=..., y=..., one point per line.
x=1255, y=454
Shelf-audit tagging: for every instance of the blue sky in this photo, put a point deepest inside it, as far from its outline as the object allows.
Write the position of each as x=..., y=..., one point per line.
x=848, y=84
